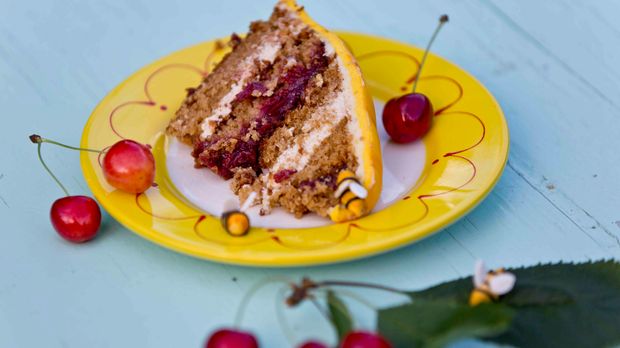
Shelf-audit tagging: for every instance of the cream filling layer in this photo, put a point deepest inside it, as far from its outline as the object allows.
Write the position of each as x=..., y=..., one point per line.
x=352, y=126
x=268, y=52
x=296, y=157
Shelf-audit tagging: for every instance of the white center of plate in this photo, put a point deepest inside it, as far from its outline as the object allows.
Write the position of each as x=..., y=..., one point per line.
x=402, y=166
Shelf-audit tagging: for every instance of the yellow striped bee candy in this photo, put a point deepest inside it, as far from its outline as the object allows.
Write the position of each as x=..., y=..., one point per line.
x=236, y=223
x=351, y=197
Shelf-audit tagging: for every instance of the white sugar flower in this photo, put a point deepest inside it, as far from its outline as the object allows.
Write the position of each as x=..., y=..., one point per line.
x=489, y=285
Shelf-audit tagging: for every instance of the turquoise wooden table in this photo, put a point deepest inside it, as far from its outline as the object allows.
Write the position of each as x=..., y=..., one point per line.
x=552, y=65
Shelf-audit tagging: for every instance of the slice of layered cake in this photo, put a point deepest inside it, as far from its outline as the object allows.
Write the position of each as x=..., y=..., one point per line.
x=286, y=117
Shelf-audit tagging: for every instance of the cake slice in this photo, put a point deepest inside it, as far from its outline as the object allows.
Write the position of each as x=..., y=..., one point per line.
x=286, y=117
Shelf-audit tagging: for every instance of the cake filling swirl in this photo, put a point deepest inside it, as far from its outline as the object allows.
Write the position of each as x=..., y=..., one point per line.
x=224, y=154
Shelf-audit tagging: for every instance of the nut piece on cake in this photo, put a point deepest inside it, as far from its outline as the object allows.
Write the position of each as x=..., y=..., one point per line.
x=286, y=115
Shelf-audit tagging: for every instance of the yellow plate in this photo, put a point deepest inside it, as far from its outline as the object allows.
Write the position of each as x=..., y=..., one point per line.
x=466, y=151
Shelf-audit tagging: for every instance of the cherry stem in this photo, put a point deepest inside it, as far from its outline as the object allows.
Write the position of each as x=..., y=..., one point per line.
x=442, y=20
x=49, y=171
x=248, y=295
x=37, y=139
x=288, y=332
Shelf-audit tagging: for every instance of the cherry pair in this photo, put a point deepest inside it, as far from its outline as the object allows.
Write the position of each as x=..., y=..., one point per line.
x=127, y=165
x=228, y=338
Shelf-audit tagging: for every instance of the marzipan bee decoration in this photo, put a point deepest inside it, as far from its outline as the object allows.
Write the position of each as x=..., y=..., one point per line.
x=351, y=194
x=235, y=221
x=490, y=285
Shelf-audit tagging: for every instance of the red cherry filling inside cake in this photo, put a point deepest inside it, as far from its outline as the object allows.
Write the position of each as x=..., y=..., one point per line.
x=277, y=117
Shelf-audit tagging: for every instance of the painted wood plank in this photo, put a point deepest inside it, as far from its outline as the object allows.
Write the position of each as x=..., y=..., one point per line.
x=61, y=57
x=122, y=275
x=550, y=132
x=584, y=44
x=562, y=132
x=574, y=35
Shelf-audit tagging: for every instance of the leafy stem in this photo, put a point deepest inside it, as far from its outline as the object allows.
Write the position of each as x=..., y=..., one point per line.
x=301, y=291
x=288, y=332
x=357, y=298
x=333, y=283
x=250, y=293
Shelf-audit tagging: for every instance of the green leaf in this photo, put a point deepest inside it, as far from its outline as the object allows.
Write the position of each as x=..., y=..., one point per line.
x=456, y=291
x=527, y=295
x=339, y=315
x=436, y=323
x=523, y=294
x=591, y=317
x=559, y=305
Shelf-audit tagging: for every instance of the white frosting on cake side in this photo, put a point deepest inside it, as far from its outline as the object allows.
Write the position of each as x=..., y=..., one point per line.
x=329, y=49
x=268, y=52
x=296, y=157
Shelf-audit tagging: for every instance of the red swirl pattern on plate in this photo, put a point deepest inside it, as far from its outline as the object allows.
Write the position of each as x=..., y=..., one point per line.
x=279, y=237
x=150, y=102
x=171, y=218
x=443, y=110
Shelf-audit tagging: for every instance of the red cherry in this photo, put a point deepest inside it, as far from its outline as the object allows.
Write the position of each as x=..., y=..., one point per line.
x=76, y=218
x=313, y=344
x=362, y=339
x=228, y=338
x=408, y=118
x=129, y=166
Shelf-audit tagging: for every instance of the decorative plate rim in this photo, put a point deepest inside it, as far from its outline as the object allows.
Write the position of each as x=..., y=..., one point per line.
x=400, y=239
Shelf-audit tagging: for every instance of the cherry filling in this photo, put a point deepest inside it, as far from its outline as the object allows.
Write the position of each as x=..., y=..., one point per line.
x=328, y=179
x=272, y=111
x=249, y=90
x=284, y=174
x=244, y=155
x=288, y=97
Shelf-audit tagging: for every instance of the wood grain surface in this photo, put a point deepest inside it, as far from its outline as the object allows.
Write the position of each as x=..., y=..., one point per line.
x=552, y=65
